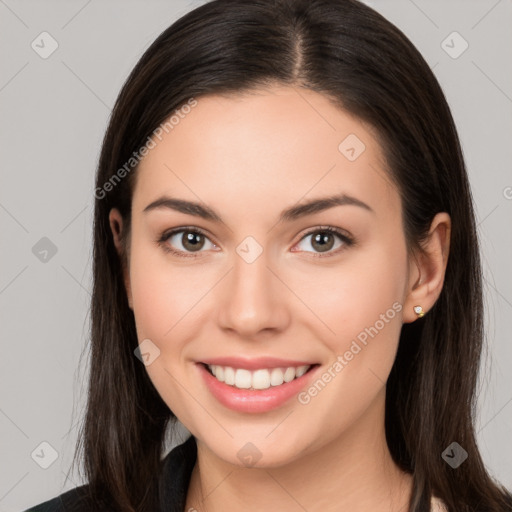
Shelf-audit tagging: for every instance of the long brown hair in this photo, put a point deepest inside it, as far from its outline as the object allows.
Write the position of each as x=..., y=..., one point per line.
x=348, y=52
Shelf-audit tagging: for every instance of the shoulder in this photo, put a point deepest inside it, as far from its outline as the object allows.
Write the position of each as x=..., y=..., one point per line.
x=173, y=484
x=74, y=500
x=175, y=476
x=437, y=505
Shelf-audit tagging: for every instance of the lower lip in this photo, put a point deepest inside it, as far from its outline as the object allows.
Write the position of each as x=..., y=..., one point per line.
x=254, y=401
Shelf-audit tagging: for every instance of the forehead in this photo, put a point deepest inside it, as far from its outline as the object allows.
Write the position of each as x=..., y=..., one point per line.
x=248, y=151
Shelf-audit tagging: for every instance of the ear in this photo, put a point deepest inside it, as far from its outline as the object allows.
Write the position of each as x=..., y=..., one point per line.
x=427, y=268
x=116, y=226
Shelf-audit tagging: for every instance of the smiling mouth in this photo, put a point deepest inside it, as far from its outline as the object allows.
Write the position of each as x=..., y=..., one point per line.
x=259, y=379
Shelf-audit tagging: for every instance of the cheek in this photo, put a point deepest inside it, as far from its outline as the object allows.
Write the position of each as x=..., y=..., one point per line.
x=362, y=306
x=352, y=296
x=153, y=299
x=163, y=303
x=163, y=294
x=361, y=303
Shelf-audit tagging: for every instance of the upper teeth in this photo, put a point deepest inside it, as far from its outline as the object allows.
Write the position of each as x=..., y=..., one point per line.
x=258, y=379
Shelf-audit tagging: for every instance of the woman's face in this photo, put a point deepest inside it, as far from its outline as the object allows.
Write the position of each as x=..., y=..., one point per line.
x=263, y=286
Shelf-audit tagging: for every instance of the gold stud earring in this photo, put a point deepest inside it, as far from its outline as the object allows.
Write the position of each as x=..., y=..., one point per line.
x=419, y=311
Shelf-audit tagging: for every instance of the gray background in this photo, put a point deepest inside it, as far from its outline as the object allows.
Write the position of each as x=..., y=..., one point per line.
x=54, y=113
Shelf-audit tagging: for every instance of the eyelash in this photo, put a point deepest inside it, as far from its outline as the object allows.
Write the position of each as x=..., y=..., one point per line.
x=348, y=241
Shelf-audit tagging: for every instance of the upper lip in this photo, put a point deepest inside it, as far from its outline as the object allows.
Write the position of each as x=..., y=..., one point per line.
x=254, y=363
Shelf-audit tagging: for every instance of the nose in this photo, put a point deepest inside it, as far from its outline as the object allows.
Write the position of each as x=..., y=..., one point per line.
x=253, y=299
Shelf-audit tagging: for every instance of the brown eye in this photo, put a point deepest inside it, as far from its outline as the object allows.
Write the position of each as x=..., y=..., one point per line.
x=324, y=240
x=192, y=241
x=184, y=242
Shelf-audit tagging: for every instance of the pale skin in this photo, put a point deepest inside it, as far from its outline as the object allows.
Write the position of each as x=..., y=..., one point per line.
x=249, y=157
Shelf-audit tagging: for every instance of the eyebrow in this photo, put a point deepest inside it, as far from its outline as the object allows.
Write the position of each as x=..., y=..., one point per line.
x=288, y=215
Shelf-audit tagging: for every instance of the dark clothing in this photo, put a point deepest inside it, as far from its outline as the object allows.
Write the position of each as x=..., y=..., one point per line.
x=173, y=485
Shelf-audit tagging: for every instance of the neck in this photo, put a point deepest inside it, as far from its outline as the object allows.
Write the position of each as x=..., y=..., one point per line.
x=353, y=472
